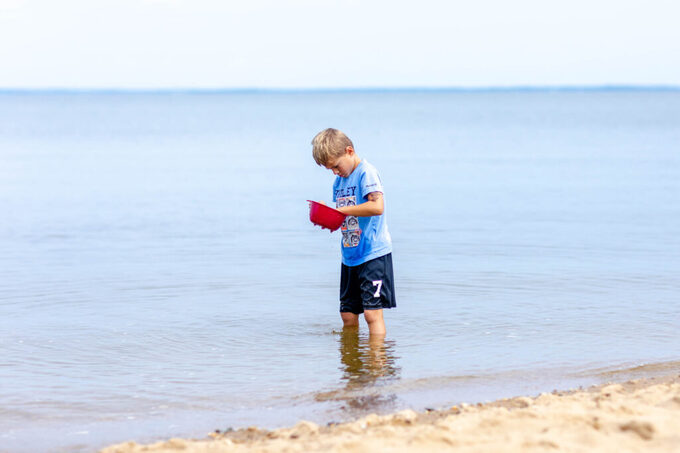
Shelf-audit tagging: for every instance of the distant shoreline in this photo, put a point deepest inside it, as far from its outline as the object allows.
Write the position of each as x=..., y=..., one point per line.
x=368, y=90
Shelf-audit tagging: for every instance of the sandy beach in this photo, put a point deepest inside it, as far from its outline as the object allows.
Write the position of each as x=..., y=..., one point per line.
x=640, y=415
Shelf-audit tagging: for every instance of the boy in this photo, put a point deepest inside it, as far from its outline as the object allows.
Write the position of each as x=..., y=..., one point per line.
x=366, y=280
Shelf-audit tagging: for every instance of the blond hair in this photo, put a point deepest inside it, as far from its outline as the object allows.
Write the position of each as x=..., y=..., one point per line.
x=329, y=144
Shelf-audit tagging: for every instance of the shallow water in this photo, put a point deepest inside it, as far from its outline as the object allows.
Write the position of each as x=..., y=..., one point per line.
x=161, y=278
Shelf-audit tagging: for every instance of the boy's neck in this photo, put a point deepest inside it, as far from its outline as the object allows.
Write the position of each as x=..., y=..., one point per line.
x=357, y=161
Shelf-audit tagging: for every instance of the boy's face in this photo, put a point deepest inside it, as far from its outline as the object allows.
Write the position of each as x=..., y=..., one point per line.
x=343, y=165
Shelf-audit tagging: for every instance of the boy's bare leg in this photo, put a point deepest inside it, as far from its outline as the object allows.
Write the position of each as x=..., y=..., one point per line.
x=349, y=319
x=375, y=321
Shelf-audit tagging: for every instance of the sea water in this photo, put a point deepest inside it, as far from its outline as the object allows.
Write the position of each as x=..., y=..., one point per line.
x=160, y=276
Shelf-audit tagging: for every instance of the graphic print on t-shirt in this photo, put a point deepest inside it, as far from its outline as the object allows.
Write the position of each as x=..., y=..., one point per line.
x=351, y=234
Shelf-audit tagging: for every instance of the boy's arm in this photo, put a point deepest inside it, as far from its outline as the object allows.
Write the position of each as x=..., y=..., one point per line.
x=374, y=206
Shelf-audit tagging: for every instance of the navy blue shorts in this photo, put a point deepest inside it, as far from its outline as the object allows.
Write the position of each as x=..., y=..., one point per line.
x=368, y=286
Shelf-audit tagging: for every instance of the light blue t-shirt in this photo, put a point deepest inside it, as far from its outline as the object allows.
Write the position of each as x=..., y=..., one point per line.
x=363, y=238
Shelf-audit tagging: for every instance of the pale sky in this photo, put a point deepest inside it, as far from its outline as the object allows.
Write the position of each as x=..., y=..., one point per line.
x=142, y=44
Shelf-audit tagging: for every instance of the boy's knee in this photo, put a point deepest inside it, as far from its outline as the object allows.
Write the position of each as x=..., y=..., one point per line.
x=349, y=319
x=372, y=316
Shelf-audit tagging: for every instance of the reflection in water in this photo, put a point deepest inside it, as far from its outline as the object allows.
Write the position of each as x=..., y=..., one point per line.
x=368, y=363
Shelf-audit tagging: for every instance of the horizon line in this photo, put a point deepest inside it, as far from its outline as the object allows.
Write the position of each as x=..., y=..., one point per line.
x=283, y=90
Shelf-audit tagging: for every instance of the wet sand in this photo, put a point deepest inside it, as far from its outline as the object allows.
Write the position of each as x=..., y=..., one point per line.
x=638, y=416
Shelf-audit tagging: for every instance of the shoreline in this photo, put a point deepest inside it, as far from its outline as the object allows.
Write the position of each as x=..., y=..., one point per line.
x=632, y=415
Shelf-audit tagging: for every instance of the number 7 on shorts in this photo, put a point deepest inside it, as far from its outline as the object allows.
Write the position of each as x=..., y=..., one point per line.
x=378, y=285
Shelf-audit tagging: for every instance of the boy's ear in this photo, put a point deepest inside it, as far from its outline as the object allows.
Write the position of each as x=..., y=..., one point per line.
x=349, y=150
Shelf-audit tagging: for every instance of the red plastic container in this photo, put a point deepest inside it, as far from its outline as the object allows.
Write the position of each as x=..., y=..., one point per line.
x=325, y=216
